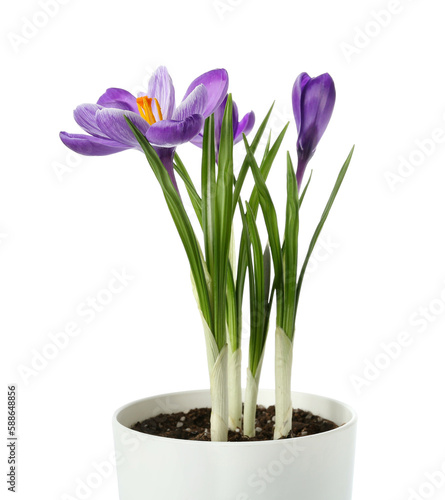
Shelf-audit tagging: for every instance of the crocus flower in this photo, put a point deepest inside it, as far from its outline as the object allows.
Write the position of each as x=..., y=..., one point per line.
x=155, y=115
x=244, y=126
x=313, y=101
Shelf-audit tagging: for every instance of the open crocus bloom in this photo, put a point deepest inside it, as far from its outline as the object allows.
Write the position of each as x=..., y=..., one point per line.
x=313, y=102
x=244, y=126
x=154, y=114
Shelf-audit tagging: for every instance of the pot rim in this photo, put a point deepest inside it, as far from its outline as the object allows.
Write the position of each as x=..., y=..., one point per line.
x=342, y=428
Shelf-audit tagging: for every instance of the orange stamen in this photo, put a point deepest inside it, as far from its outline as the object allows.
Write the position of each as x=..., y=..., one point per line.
x=145, y=109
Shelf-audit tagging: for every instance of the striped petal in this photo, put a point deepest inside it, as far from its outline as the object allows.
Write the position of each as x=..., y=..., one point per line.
x=245, y=126
x=85, y=116
x=118, y=99
x=194, y=104
x=113, y=124
x=170, y=133
x=161, y=87
x=216, y=82
x=297, y=90
x=91, y=146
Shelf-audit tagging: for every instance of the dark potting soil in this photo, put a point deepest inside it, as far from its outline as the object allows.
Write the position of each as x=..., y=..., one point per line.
x=195, y=425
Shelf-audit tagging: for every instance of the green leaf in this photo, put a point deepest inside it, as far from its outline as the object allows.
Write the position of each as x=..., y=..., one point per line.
x=245, y=166
x=267, y=148
x=257, y=320
x=320, y=225
x=290, y=250
x=231, y=312
x=267, y=269
x=265, y=168
x=305, y=189
x=208, y=188
x=223, y=223
x=270, y=218
x=253, y=303
x=180, y=219
x=191, y=190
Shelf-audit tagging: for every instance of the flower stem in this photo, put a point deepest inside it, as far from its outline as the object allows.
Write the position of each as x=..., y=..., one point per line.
x=166, y=156
x=219, y=394
x=235, y=395
x=250, y=404
x=283, y=371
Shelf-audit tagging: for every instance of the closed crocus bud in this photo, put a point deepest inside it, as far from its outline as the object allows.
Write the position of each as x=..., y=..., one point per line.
x=313, y=101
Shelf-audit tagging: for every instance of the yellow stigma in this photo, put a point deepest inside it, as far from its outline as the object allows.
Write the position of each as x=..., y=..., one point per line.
x=145, y=109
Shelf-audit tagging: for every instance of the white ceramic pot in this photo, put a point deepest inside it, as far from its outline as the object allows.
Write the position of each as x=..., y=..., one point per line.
x=318, y=467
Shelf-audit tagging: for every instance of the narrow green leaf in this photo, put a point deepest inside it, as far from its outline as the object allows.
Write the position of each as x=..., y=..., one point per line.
x=267, y=148
x=191, y=190
x=305, y=189
x=223, y=222
x=231, y=312
x=208, y=187
x=266, y=165
x=290, y=249
x=270, y=218
x=257, y=321
x=245, y=166
x=267, y=270
x=320, y=225
x=253, y=303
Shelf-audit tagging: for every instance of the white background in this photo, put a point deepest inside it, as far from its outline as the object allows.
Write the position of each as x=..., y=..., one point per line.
x=381, y=267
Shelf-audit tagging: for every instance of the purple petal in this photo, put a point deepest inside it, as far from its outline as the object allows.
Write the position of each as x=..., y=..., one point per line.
x=318, y=99
x=219, y=116
x=85, y=116
x=169, y=133
x=91, y=146
x=235, y=117
x=161, y=87
x=297, y=90
x=216, y=83
x=118, y=99
x=112, y=123
x=197, y=140
x=194, y=104
x=245, y=126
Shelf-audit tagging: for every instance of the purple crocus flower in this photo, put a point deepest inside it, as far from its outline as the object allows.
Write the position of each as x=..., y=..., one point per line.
x=244, y=126
x=313, y=101
x=155, y=115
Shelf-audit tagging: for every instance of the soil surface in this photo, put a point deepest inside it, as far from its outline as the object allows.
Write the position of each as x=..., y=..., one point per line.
x=195, y=425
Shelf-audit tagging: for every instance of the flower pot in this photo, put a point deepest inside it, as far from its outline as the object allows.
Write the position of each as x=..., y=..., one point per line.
x=315, y=467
